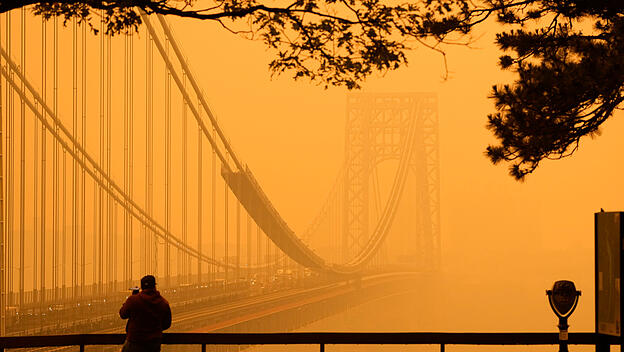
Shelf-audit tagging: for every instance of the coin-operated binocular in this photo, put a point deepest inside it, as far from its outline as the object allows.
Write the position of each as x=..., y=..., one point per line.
x=563, y=299
x=135, y=290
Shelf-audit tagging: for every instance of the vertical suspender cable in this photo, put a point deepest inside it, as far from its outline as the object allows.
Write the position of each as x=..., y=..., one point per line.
x=334, y=230
x=284, y=259
x=238, y=236
x=268, y=260
x=248, y=246
x=44, y=76
x=331, y=227
x=107, y=210
x=3, y=283
x=200, y=196
x=167, y=248
x=36, y=190
x=213, y=220
x=36, y=163
x=110, y=233
x=258, y=249
x=144, y=229
x=148, y=71
x=226, y=230
x=281, y=258
x=332, y=209
x=115, y=247
x=83, y=218
x=56, y=178
x=338, y=225
x=100, y=260
x=42, y=212
x=127, y=254
x=94, y=243
x=143, y=244
x=153, y=250
x=22, y=194
x=10, y=171
x=185, y=258
x=64, y=224
x=106, y=279
x=95, y=235
x=130, y=146
x=64, y=216
x=74, y=208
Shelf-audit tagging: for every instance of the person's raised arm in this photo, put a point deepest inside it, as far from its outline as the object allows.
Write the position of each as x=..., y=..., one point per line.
x=124, y=312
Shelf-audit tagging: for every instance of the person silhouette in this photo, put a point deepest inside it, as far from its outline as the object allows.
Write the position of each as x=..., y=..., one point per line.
x=148, y=314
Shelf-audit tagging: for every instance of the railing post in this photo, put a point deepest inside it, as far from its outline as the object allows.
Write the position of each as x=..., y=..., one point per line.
x=442, y=347
x=81, y=347
x=203, y=347
x=603, y=347
x=601, y=344
x=322, y=347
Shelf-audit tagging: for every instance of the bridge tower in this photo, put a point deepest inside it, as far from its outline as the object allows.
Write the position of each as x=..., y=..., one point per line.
x=377, y=129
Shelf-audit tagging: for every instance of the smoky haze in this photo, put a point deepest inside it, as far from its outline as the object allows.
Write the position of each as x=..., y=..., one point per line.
x=503, y=243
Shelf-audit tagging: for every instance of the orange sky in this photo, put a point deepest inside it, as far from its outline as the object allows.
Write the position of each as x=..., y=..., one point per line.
x=494, y=229
x=526, y=235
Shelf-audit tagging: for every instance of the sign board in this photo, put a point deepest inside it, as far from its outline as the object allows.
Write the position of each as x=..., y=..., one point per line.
x=608, y=257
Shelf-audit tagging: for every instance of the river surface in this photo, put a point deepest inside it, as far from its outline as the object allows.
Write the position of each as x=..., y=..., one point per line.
x=452, y=303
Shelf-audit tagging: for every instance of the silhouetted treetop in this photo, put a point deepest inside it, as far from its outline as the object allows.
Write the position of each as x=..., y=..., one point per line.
x=569, y=60
x=331, y=42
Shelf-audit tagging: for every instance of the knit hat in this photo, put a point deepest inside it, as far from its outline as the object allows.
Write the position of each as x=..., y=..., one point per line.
x=148, y=281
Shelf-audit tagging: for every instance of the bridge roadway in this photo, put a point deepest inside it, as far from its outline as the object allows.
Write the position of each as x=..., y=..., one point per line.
x=93, y=313
x=225, y=316
x=288, y=310
x=281, y=310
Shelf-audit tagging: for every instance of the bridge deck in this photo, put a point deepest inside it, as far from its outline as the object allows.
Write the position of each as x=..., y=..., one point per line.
x=260, y=208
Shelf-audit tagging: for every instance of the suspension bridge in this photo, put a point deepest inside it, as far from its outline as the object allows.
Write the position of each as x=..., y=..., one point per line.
x=114, y=166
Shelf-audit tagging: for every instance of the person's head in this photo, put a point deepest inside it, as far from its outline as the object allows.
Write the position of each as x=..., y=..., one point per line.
x=148, y=281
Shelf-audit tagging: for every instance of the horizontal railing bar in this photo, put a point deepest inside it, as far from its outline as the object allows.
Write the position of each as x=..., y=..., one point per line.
x=327, y=338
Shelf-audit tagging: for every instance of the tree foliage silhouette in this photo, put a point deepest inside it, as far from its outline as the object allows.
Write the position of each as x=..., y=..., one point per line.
x=570, y=74
x=567, y=54
x=330, y=42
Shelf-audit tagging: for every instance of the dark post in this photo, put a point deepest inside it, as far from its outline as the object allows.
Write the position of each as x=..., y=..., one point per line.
x=609, y=266
x=563, y=334
x=563, y=299
x=601, y=344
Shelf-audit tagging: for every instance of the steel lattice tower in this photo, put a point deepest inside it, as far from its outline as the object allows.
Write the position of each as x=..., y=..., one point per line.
x=376, y=130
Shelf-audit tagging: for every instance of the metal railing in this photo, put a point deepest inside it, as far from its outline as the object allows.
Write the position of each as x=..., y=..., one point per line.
x=322, y=339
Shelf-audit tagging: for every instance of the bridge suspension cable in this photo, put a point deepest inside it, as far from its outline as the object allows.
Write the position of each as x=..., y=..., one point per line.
x=257, y=204
x=90, y=166
x=239, y=179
